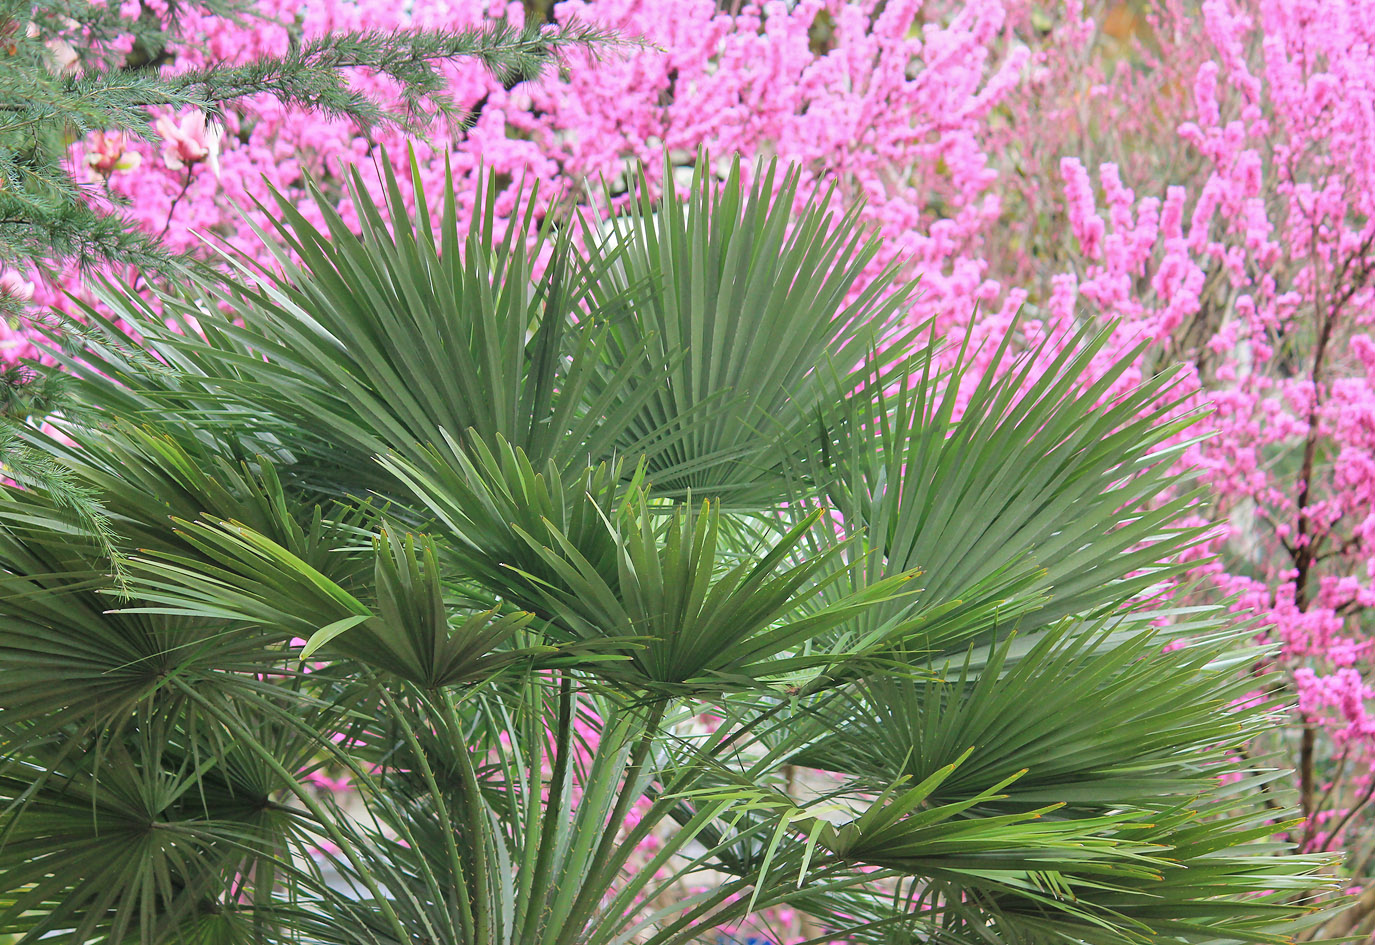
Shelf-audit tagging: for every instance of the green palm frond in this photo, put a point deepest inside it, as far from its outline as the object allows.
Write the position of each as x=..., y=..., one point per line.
x=487, y=519
x=709, y=626
x=1108, y=718
x=498, y=511
x=414, y=328
x=1037, y=494
x=140, y=837
x=754, y=309
x=68, y=658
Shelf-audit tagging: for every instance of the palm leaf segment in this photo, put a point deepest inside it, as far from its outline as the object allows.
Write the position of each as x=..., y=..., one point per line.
x=528, y=498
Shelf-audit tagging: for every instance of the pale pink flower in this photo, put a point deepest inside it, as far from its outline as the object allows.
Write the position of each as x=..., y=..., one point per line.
x=324, y=782
x=189, y=141
x=109, y=152
x=63, y=58
x=15, y=286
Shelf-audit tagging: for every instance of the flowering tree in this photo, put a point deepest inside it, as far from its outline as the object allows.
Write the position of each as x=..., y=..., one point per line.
x=1198, y=174
x=1255, y=269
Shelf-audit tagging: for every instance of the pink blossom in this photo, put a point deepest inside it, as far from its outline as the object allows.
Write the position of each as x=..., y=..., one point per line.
x=189, y=141
x=108, y=153
x=339, y=785
x=14, y=286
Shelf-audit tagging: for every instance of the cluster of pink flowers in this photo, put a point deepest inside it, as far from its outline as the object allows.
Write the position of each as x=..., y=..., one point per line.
x=1201, y=174
x=1255, y=270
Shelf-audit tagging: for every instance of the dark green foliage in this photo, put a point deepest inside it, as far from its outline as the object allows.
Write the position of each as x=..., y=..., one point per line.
x=535, y=502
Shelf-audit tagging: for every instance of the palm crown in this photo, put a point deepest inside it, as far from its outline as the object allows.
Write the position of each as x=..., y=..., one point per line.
x=537, y=495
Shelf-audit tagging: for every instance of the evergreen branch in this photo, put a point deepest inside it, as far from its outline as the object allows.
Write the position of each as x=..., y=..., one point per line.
x=43, y=215
x=315, y=76
x=25, y=393
x=73, y=231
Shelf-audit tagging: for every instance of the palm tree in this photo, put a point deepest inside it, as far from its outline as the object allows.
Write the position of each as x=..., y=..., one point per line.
x=487, y=519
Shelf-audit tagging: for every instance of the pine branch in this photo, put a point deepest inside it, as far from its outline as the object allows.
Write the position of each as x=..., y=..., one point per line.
x=72, y=231
x=44, y=219
x=24, y=394
x=316, y=75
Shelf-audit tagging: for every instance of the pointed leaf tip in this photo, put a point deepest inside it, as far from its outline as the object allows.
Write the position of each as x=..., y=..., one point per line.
x=326, y=633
